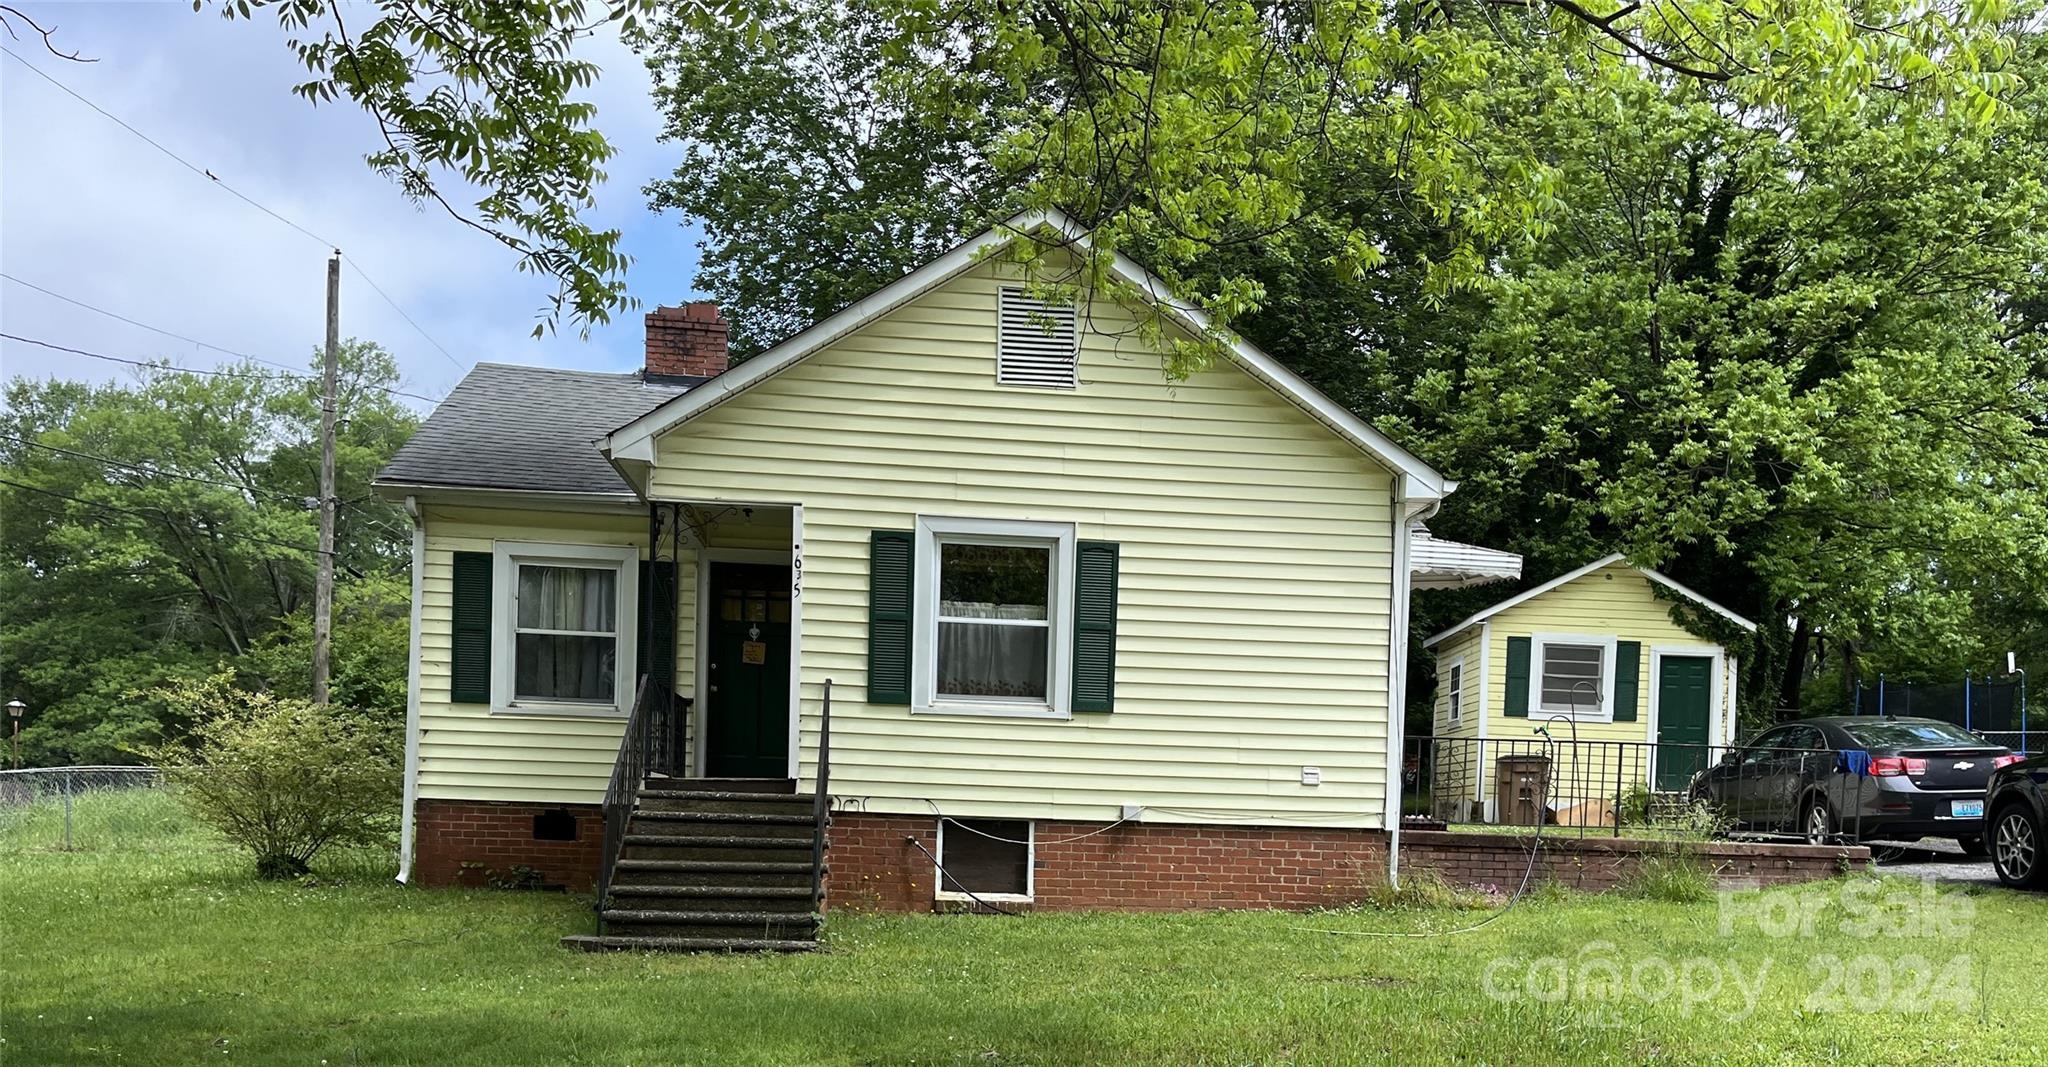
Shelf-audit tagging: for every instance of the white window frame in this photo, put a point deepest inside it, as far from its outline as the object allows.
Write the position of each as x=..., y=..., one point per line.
x=1606, y=643
x=955, y=896
x=1454, y=691
x=932, y=531
x=506, y=559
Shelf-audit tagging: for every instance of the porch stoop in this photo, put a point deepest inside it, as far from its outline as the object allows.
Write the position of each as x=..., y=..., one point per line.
x=714, y=865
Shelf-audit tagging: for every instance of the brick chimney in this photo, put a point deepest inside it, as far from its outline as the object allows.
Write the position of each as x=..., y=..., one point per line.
x=685, y=342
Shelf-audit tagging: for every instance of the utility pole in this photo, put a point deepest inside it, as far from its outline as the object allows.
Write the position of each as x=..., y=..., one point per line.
x=323, y=583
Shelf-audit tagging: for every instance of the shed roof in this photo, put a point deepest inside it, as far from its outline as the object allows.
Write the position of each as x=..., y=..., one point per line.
x=506, y=426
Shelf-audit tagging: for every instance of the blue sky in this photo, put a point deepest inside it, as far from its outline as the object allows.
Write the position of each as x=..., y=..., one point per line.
x=89, y=210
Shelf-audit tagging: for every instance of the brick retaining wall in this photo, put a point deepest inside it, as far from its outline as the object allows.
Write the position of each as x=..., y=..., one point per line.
x=1601, y=863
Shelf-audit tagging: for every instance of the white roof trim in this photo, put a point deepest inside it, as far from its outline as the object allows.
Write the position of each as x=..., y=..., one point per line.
x=1531, y=594
x=634, y=440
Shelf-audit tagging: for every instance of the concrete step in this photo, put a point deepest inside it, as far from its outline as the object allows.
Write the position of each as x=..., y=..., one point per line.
x=675, y=799
x=765, y=925
x=712, y=873
x=717, y=847
x=590, y=943
x=685, y=898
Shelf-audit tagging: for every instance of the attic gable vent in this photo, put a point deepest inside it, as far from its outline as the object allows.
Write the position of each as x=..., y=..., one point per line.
x=1036, y=342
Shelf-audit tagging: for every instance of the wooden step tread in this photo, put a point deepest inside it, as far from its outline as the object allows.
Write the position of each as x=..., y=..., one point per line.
x=755, y=817
x=776, y=892
x=713, y=918
x=717, y=866
x=715, y=841
x=671, y=793
x=614, y=943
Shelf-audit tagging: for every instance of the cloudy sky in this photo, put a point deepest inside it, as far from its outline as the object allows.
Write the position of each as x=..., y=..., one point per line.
x=91, y=211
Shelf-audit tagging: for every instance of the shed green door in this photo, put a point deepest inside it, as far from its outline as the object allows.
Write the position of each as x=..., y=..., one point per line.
x=1685, y=700
x=746, y=721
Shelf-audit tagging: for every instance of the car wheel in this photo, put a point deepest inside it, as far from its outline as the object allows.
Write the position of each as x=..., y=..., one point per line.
x=1818, y=824
x=2016, y=848
x=1973, y=845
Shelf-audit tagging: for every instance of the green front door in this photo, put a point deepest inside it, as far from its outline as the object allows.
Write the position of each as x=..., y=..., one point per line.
x=746, y=721
x=1685, y=700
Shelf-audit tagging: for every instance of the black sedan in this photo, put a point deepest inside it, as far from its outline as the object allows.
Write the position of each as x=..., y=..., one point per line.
x=2016, y=822
x=1863, y=778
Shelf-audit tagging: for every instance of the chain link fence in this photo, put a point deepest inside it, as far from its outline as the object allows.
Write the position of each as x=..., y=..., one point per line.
x=74, y=807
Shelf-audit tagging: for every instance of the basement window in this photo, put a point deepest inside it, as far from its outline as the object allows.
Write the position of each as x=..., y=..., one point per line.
x=990, y=858
x=554, y=824
x=1037, y=344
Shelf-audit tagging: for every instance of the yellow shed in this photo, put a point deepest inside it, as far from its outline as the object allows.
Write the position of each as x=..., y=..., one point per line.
x=1590, y=676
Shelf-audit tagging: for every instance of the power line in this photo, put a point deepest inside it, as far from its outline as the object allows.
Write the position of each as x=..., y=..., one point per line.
x=149, y=514
x=95, y=309
x=157, y=471
x=239, y=195
x=209, y=371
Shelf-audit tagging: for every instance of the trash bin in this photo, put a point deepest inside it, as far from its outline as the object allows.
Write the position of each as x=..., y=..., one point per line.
x=1520, y=784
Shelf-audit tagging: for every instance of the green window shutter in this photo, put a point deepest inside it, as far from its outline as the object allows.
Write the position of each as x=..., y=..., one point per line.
x=1628, y=671
x=469, y=667
x=1095, y=571
x=657, y=627
x=1518, y=677
x=890, y=556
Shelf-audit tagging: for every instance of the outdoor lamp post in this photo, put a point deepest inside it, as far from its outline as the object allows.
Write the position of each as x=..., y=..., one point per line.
x=14, y=711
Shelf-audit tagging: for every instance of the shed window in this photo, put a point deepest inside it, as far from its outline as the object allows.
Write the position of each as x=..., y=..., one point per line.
x=1573, y=678
x=1037, y=344
x=1456, y=699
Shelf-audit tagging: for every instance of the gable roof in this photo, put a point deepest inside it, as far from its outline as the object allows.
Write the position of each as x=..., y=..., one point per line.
x=633, y=441
x=1531, y=594
x=533, y=429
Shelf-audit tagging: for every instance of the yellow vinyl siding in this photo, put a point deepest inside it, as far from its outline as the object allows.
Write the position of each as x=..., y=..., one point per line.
x=466, y=752
x=1254, y=593
x=1465, y=647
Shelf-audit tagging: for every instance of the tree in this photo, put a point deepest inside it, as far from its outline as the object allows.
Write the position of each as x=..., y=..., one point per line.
x=159, y=528
x=816, y=169
x=1738, y=337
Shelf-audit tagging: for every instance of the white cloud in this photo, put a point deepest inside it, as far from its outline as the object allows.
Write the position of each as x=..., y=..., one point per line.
x=91, y=211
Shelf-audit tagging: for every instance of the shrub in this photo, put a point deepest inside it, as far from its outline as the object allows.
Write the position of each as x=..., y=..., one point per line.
x=281, y=776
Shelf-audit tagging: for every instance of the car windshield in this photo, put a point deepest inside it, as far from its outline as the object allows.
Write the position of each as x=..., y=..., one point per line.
x=1896, y=734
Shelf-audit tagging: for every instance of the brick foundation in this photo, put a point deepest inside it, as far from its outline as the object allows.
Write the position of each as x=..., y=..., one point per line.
x=1151, y=866
x=1133, y=867
x=474, y=842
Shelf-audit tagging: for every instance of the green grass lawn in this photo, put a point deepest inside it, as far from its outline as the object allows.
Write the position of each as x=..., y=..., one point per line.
x=153, y=944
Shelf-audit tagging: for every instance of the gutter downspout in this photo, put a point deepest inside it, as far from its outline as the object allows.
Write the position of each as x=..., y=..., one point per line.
x=412, y=694
x=1397, y=675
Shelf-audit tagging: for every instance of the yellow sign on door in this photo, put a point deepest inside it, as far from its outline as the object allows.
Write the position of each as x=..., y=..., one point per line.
x=754, y=652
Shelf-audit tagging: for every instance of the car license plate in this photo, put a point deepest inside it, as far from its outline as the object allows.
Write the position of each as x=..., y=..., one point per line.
x=1965, y=809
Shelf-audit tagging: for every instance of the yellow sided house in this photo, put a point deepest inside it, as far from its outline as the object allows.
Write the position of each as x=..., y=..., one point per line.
x=1585, y=690
x=951, y=598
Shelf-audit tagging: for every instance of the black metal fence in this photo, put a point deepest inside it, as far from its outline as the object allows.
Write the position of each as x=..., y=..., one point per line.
x=1587, y=786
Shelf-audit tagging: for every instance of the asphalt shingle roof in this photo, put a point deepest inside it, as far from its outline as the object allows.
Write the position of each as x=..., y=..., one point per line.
x=536, y=428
